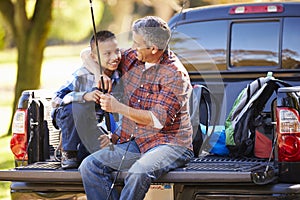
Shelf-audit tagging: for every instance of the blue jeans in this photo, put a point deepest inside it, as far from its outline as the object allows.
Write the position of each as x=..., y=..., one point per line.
x=70, y=139
x=142, y=169
x=65, y=121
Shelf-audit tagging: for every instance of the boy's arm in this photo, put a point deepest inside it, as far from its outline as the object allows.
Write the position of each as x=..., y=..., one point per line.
x=94, y=68
x=76, y=87
x=59, y=95
x=89, y=63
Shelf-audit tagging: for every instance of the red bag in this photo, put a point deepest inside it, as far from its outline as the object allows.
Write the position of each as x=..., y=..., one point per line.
x=263, y=142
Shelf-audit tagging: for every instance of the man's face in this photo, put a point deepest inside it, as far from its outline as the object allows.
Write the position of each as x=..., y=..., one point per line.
x=143, y=52
x=110, y=54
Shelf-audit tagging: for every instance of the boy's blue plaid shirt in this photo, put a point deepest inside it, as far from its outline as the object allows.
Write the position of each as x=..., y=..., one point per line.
x=81, y=82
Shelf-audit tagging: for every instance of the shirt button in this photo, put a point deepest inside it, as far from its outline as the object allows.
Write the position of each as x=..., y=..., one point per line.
x=142, y=86
x=139, y=100
x=136, y=128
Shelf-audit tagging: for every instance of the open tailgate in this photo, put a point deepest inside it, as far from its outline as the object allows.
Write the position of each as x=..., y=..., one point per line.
x=200, y=170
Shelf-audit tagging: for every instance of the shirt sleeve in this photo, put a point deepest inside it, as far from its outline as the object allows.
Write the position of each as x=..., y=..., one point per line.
x=75, y=88
x=74, y=97
x=57, y=99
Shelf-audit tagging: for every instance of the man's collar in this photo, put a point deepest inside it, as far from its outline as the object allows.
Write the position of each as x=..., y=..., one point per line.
x=148, y=65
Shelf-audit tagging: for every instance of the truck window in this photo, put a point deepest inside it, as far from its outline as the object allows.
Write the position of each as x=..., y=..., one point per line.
x=291, y=43
x=254, y=44
x=201, y=46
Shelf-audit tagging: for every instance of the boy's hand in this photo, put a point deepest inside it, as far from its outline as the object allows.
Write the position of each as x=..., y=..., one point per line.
x=107, y=83
x=93, y=96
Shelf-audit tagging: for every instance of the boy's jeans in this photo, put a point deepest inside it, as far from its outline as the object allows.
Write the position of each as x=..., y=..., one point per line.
x=79, y=128
x=64, y=119
x=142, y=169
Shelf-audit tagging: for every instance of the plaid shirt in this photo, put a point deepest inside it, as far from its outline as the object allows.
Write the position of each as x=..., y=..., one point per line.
x=164, y=90
x=82, y=81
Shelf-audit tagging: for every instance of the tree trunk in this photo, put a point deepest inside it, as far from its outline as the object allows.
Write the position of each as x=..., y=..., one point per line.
x=30, y=36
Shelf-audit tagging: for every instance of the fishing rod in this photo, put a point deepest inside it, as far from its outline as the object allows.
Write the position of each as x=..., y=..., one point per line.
x=106, y=114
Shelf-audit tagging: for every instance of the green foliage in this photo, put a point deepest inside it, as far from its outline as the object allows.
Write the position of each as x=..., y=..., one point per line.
x=6, y=159
x=2, y=36
x=72, y=20
x=107, y=17
x=2, y=33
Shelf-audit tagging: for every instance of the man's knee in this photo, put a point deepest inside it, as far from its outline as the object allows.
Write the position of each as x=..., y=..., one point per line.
x=84, y=166
x=91, y=165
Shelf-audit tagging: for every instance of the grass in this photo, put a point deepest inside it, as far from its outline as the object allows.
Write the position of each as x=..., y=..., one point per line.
x=59, y=62
x=6, y=162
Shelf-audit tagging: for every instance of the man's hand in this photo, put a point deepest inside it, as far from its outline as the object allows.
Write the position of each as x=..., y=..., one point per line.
x=104, y=140
x=93, y=96
x=109, y=103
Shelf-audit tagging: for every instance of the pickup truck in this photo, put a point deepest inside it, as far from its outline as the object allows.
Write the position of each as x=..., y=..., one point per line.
x=224, y=47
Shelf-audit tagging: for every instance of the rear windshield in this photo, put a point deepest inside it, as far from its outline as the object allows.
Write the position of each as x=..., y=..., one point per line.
x=254, y=44
x=201, y=45
x=238, y=45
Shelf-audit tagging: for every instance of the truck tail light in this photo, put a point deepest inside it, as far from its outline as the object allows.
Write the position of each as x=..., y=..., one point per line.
x=288, y=133
x=18, y=142
x=256, y=9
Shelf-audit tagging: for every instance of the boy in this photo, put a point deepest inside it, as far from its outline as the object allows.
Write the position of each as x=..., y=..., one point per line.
x=82, y=88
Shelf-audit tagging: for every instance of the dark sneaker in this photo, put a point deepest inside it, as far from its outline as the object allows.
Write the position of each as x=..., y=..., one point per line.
x=69, y=159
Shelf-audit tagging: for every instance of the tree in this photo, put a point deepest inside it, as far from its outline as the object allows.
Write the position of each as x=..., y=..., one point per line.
x=30, y=35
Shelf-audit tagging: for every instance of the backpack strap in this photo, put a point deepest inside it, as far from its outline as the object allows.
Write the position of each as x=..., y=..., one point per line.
x=202, y=96
x=196, y=100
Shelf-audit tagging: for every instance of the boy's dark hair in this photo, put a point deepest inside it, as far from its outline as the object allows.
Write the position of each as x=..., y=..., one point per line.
x=102, y=36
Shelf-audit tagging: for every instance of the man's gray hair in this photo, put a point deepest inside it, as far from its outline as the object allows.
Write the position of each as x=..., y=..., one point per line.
x=154, y=30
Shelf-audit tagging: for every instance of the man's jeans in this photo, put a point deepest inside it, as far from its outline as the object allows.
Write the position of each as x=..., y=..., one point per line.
x=142, y=169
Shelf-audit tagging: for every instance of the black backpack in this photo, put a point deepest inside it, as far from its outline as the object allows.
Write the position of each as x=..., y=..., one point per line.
x=246, y=115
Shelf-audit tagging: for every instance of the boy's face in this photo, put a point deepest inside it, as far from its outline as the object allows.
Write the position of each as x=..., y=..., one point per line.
x=110, y=54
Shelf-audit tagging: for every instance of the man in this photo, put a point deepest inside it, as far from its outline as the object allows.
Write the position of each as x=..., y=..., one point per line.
x=156, y=134
x=81, y=88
